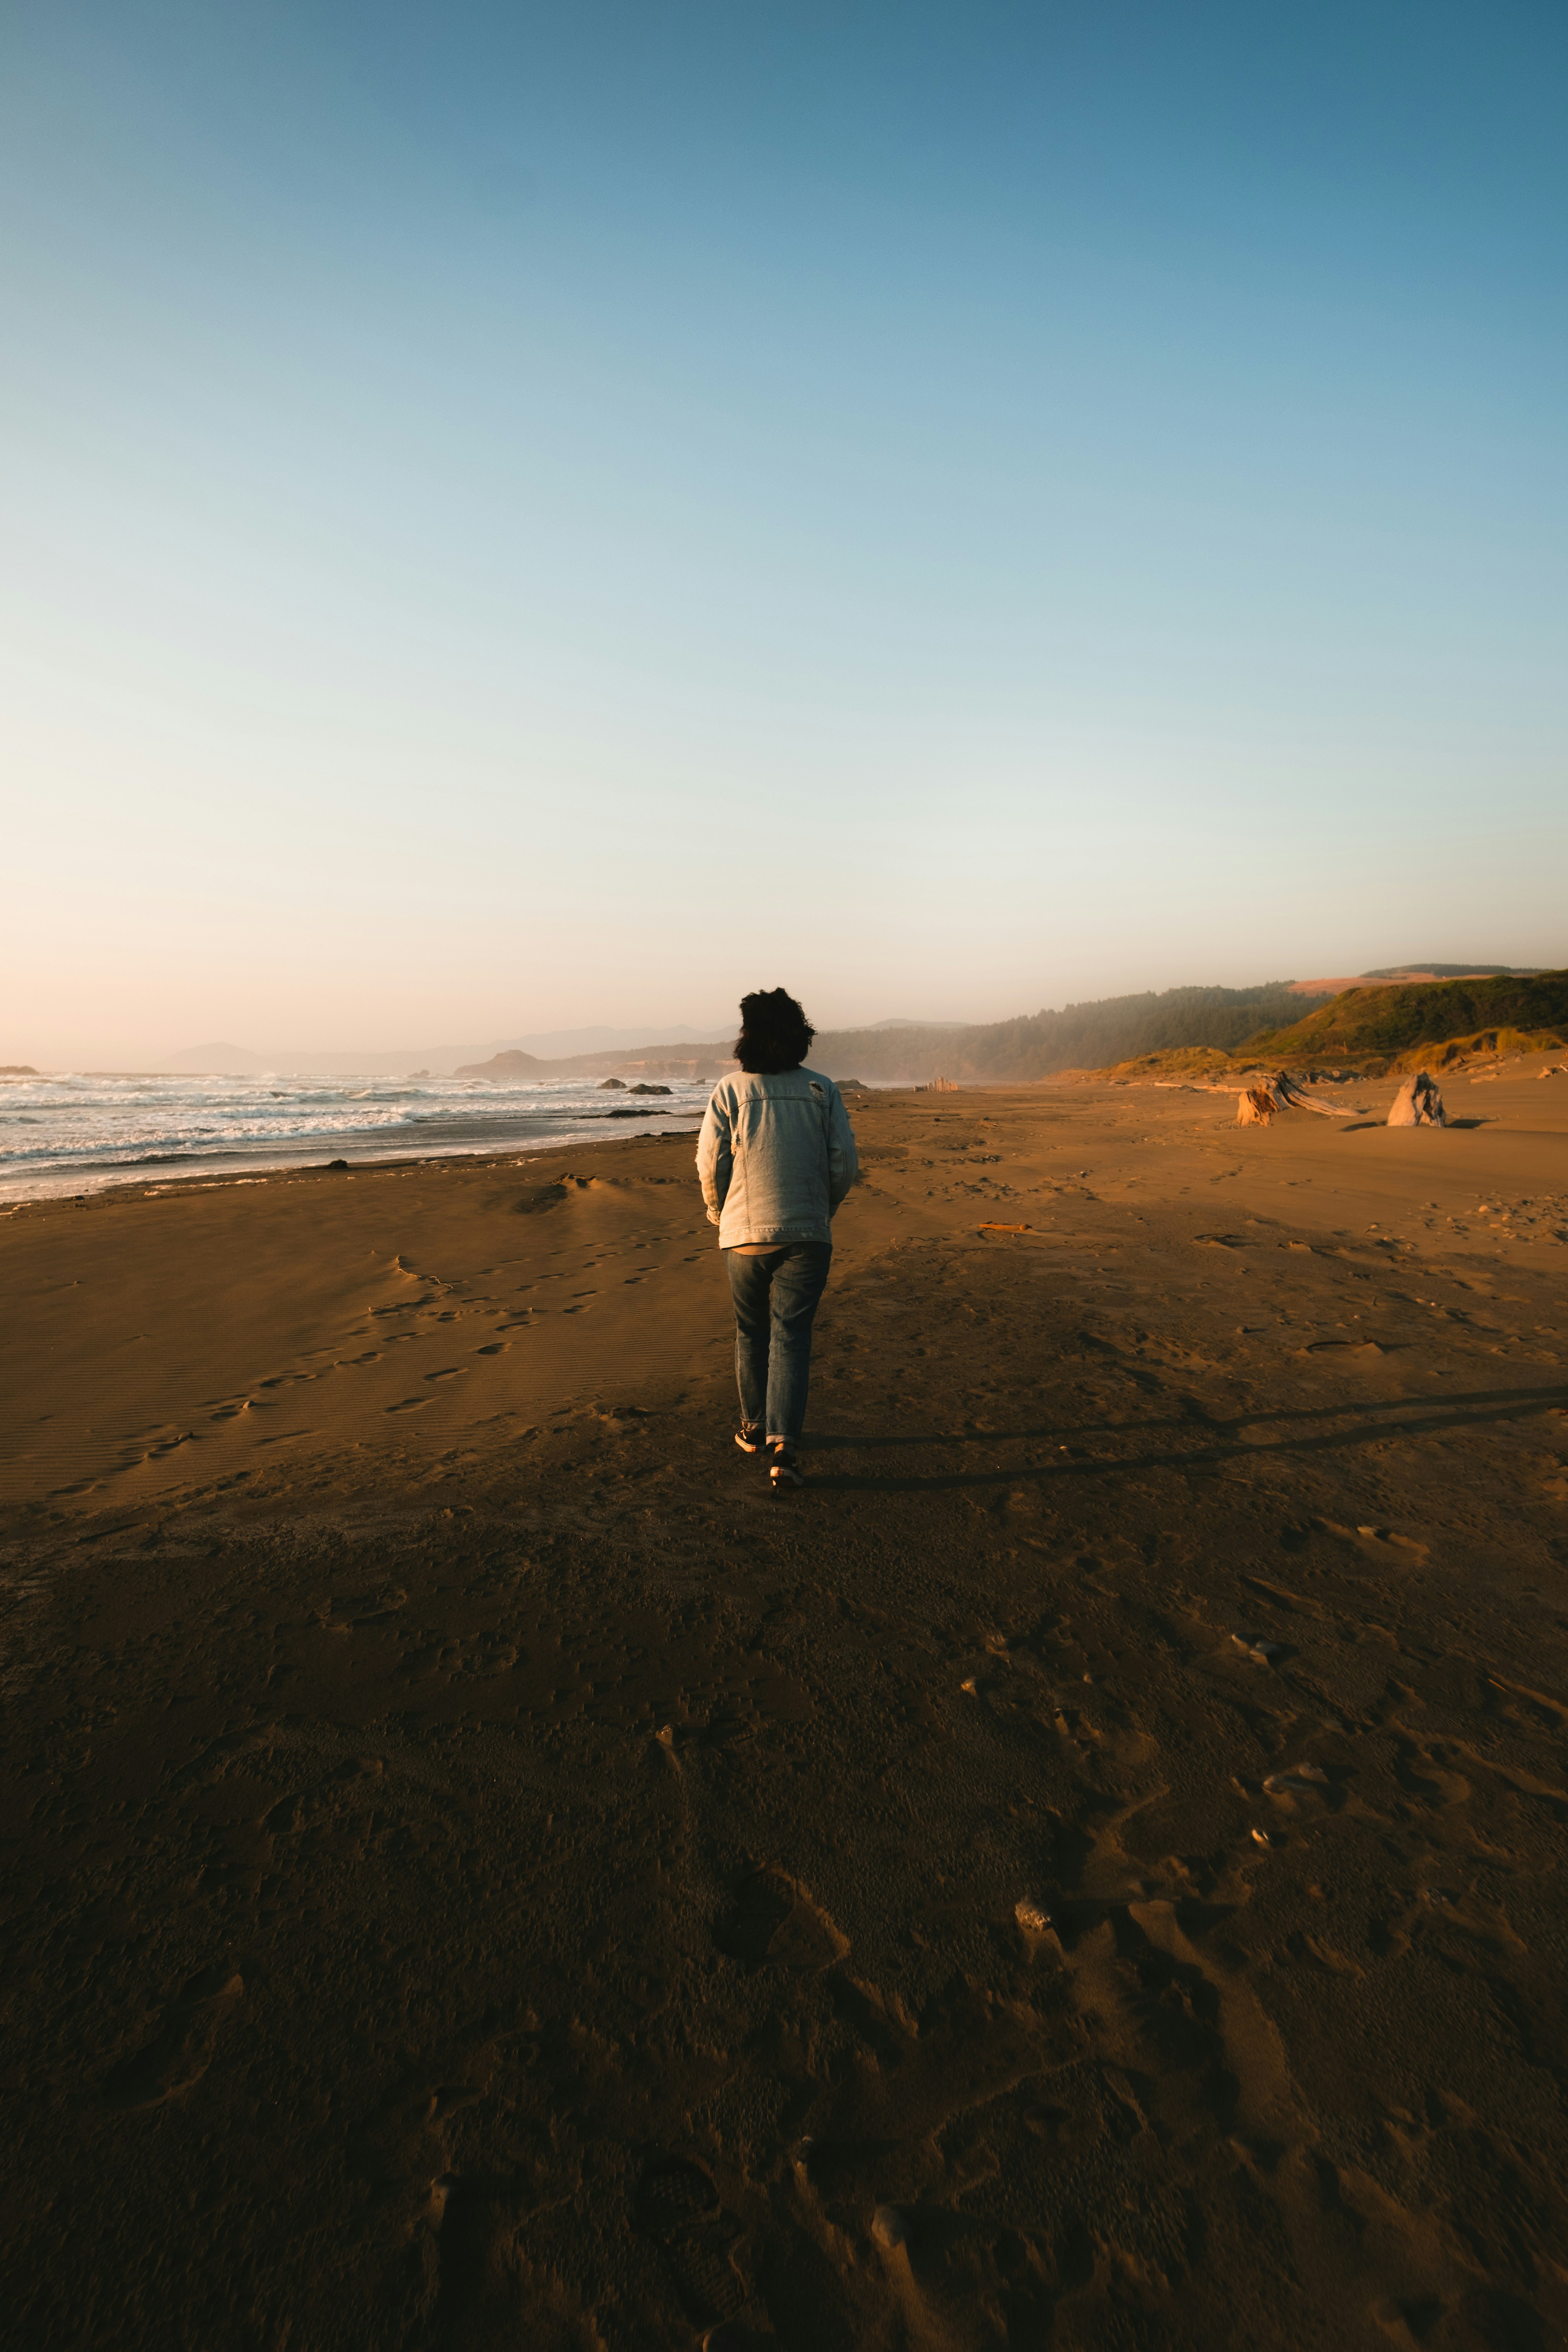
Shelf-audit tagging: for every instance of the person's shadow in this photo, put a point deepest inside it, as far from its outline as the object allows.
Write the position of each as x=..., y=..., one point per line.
x=1089, y=1449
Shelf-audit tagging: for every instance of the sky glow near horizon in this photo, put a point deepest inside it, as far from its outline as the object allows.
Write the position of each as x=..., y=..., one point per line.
x=518, y=518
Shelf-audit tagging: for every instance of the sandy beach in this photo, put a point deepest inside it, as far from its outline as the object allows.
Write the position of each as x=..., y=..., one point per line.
x=1088, y=1872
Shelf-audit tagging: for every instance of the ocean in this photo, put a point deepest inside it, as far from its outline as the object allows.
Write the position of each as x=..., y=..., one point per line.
x=75, y=1132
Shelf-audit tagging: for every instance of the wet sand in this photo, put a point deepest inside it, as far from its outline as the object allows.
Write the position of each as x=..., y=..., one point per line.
x=481, y=1872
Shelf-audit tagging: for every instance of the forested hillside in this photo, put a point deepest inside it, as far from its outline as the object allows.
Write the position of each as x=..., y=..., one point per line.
x=1079, y=1037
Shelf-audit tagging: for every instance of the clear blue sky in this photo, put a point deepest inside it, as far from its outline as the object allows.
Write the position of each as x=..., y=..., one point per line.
x=522, y=516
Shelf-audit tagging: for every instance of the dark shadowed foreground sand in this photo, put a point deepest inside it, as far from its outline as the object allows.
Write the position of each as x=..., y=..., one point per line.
x=481, y=1872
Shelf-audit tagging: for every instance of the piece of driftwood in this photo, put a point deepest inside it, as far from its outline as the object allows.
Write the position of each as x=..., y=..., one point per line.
x=1261, y=1103
x=1418, y=1104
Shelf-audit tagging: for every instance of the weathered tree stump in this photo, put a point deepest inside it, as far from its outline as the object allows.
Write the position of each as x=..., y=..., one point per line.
x=1418, y=1104
x=1279, y=1092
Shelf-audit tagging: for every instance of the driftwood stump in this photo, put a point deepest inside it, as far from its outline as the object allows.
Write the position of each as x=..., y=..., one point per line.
x=1279, y=1091
x=1418, y=1104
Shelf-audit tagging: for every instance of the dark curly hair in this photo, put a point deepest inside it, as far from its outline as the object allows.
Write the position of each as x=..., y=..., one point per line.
x=774, y=1031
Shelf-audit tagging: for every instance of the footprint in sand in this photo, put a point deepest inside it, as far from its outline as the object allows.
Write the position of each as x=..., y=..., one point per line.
x=678, y=2204
x=775, y=1919
x=476, y=2228
x=181, y=2050
x=364, y=1608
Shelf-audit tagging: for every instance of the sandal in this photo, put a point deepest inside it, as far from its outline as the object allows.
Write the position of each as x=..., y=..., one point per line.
x=783, y=1470
x=749, y=1437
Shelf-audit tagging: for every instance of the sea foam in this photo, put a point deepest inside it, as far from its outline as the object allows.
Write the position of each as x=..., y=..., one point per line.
x=76, y=1131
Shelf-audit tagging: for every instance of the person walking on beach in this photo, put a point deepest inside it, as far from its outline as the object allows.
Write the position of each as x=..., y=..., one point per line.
x=775, y=1157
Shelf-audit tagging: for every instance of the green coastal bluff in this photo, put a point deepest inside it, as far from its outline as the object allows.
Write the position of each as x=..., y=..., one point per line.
x=1444, y=1022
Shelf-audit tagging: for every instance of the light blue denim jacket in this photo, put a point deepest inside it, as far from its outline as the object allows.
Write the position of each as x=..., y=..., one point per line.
x=776, y=1155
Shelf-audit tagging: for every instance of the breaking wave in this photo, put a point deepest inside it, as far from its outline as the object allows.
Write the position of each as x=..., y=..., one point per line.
x=76, y=1131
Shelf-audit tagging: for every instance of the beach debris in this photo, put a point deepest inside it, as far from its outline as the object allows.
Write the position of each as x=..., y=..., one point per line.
x=1262, y=1654
x=1031, y=1918
x=1296, y=1775
x=1261, y=1837
x=1278, y=1091
x=889, y=2228
x=1418, y=1104
x=666, y=1735
x=970, y=1685
x=1385, y=1536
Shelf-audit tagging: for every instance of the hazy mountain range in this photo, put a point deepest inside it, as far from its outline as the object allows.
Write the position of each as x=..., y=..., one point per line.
x=567, y=1049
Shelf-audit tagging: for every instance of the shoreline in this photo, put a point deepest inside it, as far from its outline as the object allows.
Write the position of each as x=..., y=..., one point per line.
x=252, y=1171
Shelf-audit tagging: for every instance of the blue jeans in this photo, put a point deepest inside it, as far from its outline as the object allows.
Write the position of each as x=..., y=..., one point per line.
x=775, y=1299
